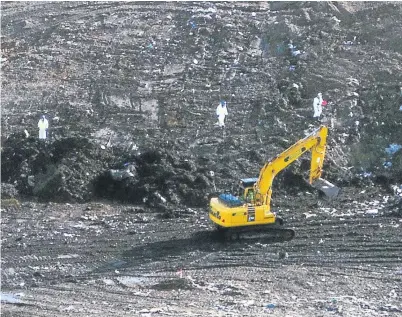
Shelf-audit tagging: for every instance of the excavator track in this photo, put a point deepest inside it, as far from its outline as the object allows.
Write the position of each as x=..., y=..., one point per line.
x=270, y=233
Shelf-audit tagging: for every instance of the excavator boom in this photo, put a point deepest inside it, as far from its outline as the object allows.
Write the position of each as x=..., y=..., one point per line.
x=316, y=142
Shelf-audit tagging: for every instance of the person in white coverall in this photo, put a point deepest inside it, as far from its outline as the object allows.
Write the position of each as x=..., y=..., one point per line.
x=221, y=112
x=43, y=125
x=317, y=105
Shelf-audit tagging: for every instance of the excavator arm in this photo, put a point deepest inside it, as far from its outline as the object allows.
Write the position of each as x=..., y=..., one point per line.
x=316, y=142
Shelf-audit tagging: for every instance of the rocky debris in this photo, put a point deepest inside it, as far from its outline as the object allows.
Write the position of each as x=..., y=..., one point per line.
x=161, y=179
x=173, y=284
x=8, y=191
x=59, y=171
x=394, y=204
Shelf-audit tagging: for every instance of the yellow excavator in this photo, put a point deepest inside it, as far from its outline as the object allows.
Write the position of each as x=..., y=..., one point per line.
x=248, y=211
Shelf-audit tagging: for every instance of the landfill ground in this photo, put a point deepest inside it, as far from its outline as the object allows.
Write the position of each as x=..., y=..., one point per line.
x=106, y=259
x=109, y=216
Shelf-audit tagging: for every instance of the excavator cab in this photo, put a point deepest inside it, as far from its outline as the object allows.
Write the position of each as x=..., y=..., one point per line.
x=246, y=189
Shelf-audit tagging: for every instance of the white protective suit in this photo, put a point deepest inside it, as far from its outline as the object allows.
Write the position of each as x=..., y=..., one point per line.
x=221, y=112
x=43, y=125
x=317, y=105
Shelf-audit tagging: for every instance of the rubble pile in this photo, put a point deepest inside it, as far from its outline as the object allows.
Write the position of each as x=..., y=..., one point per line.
x=73, y=169
x=158, y=179
x=8, y=191
x=61, y=171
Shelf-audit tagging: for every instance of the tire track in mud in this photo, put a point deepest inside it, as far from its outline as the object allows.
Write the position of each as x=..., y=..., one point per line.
x=353, y=242
x=84, y=254
x=126, y=268
x=167, y=246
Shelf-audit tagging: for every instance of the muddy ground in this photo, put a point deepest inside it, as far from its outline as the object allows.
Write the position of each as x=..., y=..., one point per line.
x=110, y=215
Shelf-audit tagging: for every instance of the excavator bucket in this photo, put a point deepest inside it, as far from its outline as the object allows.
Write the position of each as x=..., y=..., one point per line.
x=329, y=189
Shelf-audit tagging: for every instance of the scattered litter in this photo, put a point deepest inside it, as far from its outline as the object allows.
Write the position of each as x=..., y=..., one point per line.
x=68, y=308
x=393, y=148
x=68, y=256
x=163, y=199
x=366, y=174
x=296, y=53
x=372, y=211
x=193, y=24
x=270, y=306
x=134, y=147
x=31, y=180
x=353, y=81
x=387, y=164
x=130, y=281
x=393, y=294
x=397, y=190
x=248, y=303
x=353, y=94
x=308, y=215
x=119, y=175
x=108, y=282
x=292, y=68
x=9, y=298
x=180, y=273
x=390, y=308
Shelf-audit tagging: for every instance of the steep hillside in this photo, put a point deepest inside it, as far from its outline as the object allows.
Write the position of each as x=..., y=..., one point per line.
x=150, y=75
